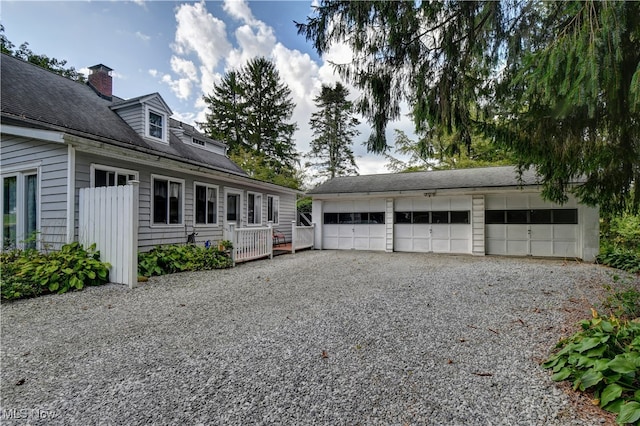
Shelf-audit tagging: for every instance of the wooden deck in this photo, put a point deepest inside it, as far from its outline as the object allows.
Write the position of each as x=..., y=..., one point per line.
x=283, y=248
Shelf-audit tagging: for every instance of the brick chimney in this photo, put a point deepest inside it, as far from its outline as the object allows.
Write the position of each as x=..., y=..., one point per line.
x=101, y=81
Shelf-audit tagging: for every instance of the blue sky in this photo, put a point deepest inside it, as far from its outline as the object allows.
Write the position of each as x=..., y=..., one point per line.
x=180, y=49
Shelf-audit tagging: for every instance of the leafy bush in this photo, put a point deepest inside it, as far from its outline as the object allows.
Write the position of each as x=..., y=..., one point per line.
x=31, y=273
x=623, y=303
x=179, y=258
x=620, y=258
x=620, y=243
x=604, y=358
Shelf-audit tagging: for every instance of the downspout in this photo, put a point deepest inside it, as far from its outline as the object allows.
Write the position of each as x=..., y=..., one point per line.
x=71, y=193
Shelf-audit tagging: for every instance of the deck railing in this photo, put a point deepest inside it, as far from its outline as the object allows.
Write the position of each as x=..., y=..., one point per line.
x=251, y=243
x=302, y=236
x=254, y=243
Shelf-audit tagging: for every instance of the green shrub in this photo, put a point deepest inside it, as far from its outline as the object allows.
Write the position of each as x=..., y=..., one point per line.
x=623, y=303
x=31, y=273
x=179, y=258
x=620, y=258
x=604, y=358
x=620, y=242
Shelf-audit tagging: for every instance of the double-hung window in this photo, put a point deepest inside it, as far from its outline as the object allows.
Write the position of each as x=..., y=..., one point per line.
x=254, y=208
x=155, y=125
x=110, y=176
x=206, y=204
x=273, y=208
x=168, y=200
x=20, y=209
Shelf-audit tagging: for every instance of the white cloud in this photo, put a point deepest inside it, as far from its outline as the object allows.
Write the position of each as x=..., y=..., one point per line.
x=181, y=87
x=238, y=9
x=184, y=68
x=153, y=72
x=142, y=36
x=200, y=32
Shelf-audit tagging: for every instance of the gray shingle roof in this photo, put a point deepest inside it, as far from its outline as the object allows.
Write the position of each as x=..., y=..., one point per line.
x=34, y=97
x=488, y=177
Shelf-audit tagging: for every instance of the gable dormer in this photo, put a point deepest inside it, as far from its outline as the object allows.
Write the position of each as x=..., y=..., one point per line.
x=148, y=115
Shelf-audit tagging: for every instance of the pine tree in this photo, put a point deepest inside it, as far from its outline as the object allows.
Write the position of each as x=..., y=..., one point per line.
x=268, y=108
x=249, y=110
x=334, y=129
x=227, y=112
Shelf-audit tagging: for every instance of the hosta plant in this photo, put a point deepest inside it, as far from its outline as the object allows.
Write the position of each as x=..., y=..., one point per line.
x=604, y=358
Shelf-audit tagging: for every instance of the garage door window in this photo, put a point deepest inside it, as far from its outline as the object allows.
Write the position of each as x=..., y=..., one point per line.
x=362, y=218
x=437, y=217
x=534, y=217
x=460, y=217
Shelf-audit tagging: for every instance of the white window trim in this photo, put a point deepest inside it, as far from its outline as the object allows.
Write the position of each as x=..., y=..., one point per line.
x=275, y=198
x=94, y=167
x=169, y=179
x=20, y=171
x=239, y=193
x=255, y=194
x=202, y=145
x=207, y=225
x=147, y=110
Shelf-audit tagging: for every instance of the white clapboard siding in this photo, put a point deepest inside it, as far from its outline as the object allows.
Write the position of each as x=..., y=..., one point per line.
x=108, y=217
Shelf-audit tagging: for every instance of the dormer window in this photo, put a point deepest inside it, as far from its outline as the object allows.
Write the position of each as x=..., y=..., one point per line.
x=156, y=123
x=198, y=142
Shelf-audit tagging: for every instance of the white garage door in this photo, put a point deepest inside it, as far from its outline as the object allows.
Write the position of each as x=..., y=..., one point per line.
x=526, y=225
x=354, y=225
x=436, y=224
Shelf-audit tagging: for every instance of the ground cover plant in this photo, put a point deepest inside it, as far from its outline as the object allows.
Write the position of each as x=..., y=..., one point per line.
x=28, y=273
x=180, y=258
x=603, y=358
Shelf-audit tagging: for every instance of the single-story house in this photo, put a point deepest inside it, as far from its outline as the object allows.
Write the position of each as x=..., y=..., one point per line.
x=59, y=136
x=474, y=211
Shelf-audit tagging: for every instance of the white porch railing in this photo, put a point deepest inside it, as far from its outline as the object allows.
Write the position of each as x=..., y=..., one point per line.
x=251, y=243
x=254, y=243
x=301, y=236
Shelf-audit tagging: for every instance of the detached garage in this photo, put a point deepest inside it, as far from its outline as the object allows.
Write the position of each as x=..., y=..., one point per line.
x=473, y=211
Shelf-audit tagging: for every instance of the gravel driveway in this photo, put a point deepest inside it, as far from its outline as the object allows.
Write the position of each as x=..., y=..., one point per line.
x=312, y=338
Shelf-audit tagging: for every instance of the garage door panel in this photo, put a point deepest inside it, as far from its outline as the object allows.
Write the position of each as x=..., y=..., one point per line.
x=518, y=201
x=565, y=232
x=377, y=231
x=565, y=249
x=496, y=232
x=403, y=231
x=541, y=232
x=330, y=231
x=460, y=203
x=421, y=244
x=518, y=248
x=440, y=231
x=440, y=246
x=515, y=232
x=539, y=248
x=460, y=231
x=440, y=203
x=460, y=246
x=404, y=244
x=496, y=246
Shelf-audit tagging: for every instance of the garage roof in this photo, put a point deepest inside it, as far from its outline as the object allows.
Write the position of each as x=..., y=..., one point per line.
x=486, y=177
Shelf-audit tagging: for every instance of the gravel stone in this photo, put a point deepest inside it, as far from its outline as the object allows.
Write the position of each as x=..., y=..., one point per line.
x=319, y=337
